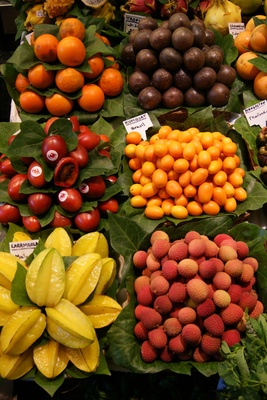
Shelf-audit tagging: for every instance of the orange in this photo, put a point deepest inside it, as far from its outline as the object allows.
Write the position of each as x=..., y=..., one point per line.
x=133, y=138
x=72, y=27
x=21, y=83
x=58, y=105
x=31, y=102
x=92, y=98
x=258, y=39
x=242, y=42
x=251, y=25
x=111, y=82
x=115, y=63
x=39, y=77
x=69, y=80
x=260, y=85
x=103, y=38
x=71, y=51
x=96, y=64
x=244, y=68
x=45, y=47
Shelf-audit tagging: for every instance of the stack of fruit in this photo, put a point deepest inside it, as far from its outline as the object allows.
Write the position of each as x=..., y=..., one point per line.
x=53, y=305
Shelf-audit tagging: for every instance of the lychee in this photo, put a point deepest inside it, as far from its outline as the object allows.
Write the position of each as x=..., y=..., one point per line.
x=166, y=355
x=148, y=352
x=257, y=310
x=210, y=344
x=242, y=249
x=146, y=272
x=152, y=262
x=141, y=281
x=157, y=338
x=232, y=314
x=231, y=337
x=140, y=331
x=178, y=250
x=206, y=308
x=150, y=318
x=247, y=273
x=187, y=315
x=222, y=280
x=214, y=325
x=169, y=269
x=252, y=261
x=177, y=344
x=229, y=242
x=177, y=292
x=139, y=259
x=154, y=274
x=211, y=249
x=197, y=290
x=221, y=298
x=248, y=300
x=172, y=326
x=235, y=292
x=207, y=269
x=163, y=304
x=187, y=268
x=159, y=285
x=233, y=267
x=198, y=260
x=227, y=253
x=197, y=247
x=220, y=237
x=191, y=333
x=218, y=263
x=158, y=234
x=160, y=248
x=199, y=355
x=191, y=235
x=137, y=311
x=248, y=286
x=145, y=296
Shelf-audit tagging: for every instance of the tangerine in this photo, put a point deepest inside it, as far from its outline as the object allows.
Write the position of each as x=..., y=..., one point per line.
x=31, y=102
x=258, y=39
x=114, y=64
x=245, y=68
x=71, y=51
x=39, y=77
x=92, y=98
x=21, y=82
x=96, y=64
x=103, y=38
x=69, y=80
x=45, y=47
x=58, y=105
x=111, y=82
x=242, y=42
x=260, y=85
x=251, y=24
x=72, y=27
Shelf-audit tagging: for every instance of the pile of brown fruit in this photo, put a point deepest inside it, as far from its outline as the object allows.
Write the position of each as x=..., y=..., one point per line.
x=192, y=294
x=177, y=63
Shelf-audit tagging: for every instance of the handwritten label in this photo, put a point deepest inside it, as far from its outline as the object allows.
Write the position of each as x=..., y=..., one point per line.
x=22, y=250
x=140, y=124
x=235, y=28
x=257, y=114
x=131, y=22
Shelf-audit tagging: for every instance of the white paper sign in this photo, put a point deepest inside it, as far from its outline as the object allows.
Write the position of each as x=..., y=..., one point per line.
x=235, y=28
x=257, y=114
x=131, y=22
x=24, y=249
x=140, y=124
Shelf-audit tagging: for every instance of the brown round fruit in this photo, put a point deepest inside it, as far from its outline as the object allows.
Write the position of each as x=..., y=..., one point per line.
x=194, y=97
x=199, y=35
x=218, y=95
x=226, y=75
x=141, y=40
x=183, y=79
x=194, y=59
x=182, y=38
x=149, y=98
x=147, y=23
x=178, y=19
x=160, y=38
x=210, y=37
x=205, y=78
x=172, y=98
x=161, y=79
x=170, y=59
x=138, y=80
x=128, y=54
x=146, y=60
x=214, y=58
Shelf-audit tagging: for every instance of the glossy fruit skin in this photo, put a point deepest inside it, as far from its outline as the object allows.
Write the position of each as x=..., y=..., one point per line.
x=87, y=138
x=36, y=175
x=66, y=172
x=48, y=124
x=104, y=153
x=110, y=205
x=39, y=203
x=87, y=221
x=93, y=188
x=6, y=168
x=111, y=179
x=31, y=223
x=14, y=186
x=54, y=148
x=70, y=199
x=60, y=220
x=75, y=123
x=81, y=155
x=9, y=213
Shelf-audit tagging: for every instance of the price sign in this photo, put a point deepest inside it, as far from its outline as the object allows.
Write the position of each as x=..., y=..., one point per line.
x=131, y=22
x=22, y=250
x=236, y=28
x=257, y=114
x=140, y=124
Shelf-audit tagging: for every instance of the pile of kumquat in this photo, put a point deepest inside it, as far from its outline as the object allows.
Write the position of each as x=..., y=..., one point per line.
x=180, y=173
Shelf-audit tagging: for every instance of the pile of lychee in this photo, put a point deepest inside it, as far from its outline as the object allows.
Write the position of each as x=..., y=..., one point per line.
x=192, y=294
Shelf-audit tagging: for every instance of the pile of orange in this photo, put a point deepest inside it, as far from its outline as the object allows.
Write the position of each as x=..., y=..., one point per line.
x=69, y=50
x=249, y=43
x=180, y=173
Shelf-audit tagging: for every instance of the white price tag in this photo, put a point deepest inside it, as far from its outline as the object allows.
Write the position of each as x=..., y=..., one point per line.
x=235, y=28
x=140, y=124
x=22, y=250
x=131, y=22
x=257, y=114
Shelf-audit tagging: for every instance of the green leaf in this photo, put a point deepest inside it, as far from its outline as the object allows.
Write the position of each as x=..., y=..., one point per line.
x=260, y=63
x=249, y=134
x=49, y=385
x=18, y=292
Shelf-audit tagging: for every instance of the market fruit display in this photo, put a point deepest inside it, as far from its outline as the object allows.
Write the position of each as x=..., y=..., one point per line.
x=177, y=63
x=59, y=304
x=191, y=294
x=55, y=176
x=181, y=173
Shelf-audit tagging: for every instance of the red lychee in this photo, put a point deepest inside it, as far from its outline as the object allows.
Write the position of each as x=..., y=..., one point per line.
x=157, y=338
x=218, y=263
x=214, y=325
x=152, y=262
x=150, y=318
x=200, y=356
x=191, y=235
x=140, y=331
x=227, y=253
x=222, y=280
x=166, y=355
x=257, y=310
x=187, y=268
x=187, y=315
x=232, y=314
x=177, y=344
x=229, y=242
x=234, y=267
x=159, y=285
x=160, y=248
x=197, y=247
x=252, y=261
x=210, y=344
x=141, y=281
x=191, y=333
x=158, y=234
x=247, y=273
x=170, y=270
x=242, y=249
x=163, y=304
x=248, y=300
x=220, y=237
x=221, y=298
x=197, y=290
x=177, y=292
x=231, y=337
x=206, y=308
x=145, y=296
x=137, y=311
x=148, y=352
x=211, y=249
x=172, y=326
x=139, y=259
x=235, y=292
x=178, y=250
x=207, y=269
